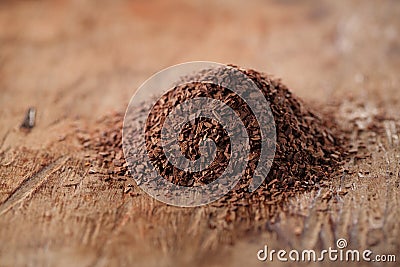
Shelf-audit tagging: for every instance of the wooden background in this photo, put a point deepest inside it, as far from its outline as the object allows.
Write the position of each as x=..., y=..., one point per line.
x=78, y=61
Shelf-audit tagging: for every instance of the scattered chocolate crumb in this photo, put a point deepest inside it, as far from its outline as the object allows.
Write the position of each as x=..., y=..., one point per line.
x=30, y=119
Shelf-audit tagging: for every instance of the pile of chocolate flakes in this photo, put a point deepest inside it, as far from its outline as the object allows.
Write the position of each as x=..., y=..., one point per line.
x=309, y=149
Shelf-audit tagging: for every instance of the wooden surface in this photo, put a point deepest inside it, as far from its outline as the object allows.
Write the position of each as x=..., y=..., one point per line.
x=77, y=61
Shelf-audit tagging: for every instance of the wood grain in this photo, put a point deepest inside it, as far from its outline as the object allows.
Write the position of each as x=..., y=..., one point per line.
x=78, y=61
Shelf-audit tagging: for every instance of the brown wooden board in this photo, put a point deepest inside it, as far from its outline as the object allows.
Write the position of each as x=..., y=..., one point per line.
x=79, y=62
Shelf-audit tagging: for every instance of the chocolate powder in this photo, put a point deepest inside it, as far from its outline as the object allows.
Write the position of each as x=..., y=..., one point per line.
x=309, y=148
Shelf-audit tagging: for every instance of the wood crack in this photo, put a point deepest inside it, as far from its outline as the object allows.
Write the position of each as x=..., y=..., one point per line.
x=30, y=184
